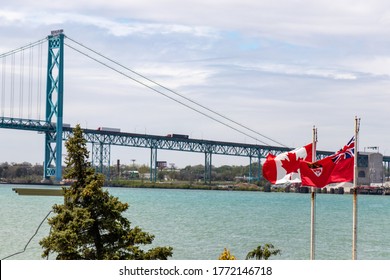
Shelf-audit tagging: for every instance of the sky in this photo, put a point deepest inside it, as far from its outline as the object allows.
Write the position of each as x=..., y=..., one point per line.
x=276, y=67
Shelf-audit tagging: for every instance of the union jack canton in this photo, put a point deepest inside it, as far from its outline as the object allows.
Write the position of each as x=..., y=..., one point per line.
x=345, y=153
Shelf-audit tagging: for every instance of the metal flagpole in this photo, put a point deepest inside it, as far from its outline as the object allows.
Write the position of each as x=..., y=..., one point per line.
x=355, y=191
x=313, y=200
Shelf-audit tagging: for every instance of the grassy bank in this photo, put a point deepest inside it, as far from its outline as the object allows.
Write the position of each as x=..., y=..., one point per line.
x=226, y=186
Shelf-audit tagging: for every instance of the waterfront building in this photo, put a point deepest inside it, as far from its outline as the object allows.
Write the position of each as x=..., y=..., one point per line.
x=370, y=169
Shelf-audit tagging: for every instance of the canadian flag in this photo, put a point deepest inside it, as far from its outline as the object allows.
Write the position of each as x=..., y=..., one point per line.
x=284, y=167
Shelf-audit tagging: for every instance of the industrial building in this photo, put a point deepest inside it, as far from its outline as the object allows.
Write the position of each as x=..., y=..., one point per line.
x=370, y=169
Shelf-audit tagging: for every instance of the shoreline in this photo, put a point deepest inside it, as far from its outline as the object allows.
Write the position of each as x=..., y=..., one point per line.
x=346, y=189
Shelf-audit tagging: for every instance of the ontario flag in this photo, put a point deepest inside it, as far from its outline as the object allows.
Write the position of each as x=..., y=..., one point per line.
x=284, y=167
x=336, y=168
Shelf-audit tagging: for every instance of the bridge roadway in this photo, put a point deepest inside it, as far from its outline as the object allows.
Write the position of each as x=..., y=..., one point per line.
x=180, y=144
x=210, y=147
x=148, y=141
x=176, y=143
x=156, y=141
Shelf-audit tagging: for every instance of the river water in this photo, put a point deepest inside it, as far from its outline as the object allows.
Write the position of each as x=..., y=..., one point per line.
x=199, y=224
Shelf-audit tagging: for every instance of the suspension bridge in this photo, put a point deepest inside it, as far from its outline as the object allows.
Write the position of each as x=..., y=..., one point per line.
x=31, y=82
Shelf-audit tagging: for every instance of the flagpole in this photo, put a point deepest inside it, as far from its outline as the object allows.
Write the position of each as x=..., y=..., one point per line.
x=313, y=200
x=355, y=191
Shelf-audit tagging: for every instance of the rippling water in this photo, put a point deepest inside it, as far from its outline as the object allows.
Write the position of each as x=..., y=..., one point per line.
x=200, y=224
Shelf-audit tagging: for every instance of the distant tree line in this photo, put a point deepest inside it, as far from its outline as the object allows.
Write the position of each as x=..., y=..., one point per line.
x=26, y=172
x=189, y=173
x=222, y=173
x=23, y=172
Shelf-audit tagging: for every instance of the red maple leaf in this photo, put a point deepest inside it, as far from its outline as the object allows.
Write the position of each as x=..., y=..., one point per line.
x=291, y=163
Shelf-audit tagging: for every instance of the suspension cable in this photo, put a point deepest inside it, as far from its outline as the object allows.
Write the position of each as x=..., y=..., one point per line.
x=39, y=42
x=13, y=88
x=21, y=84
x=39, y=87
x=172, y=91
x=12, y=84
x=30, y=82
x=160, y=92
x=3, y=77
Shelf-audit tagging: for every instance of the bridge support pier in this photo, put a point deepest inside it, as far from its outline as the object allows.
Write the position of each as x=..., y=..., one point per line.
x=101, y=154
x=258, y=168
x=153, y=164
x=251, y=177
x=207, y=168
x=250, y=170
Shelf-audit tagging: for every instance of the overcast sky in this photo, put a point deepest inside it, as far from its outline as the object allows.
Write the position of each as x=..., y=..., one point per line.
x=277, y=67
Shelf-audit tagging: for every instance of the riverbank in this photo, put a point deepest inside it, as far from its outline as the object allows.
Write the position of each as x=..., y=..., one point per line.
x=343, y=188
x=182, y=185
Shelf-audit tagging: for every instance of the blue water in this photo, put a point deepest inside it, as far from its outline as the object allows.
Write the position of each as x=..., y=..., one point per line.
x=200, y=224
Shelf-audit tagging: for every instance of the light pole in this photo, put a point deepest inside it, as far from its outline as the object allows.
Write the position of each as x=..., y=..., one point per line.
x=133, y=160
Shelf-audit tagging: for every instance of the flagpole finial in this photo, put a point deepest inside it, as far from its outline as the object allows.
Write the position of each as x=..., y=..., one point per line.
x=357, y=124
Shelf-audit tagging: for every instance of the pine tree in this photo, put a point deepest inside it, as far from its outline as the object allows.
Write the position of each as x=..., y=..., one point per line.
x=90, y=225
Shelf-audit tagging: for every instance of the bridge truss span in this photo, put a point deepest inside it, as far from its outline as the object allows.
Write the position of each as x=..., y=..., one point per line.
x=183, y=145
x=26, y=124
x=103, y=140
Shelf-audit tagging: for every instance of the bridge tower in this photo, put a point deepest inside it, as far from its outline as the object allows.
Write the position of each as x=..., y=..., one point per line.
x=101, y=155
x=54, y=105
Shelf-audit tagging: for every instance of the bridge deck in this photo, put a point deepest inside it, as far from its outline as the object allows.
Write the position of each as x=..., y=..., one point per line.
x=157, y=141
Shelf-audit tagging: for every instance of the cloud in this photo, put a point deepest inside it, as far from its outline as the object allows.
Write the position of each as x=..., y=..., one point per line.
x=377, y=65
x=116, y=27
x=296, y=21
x=127, y=28
x=305, y=70
x=8, y=17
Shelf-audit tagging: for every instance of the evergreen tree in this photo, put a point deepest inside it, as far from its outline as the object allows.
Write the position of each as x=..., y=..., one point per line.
x=90, y=225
